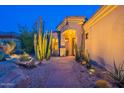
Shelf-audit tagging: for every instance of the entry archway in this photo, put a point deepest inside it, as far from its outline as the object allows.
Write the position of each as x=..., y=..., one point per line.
x=71, y=31
x=69, y=38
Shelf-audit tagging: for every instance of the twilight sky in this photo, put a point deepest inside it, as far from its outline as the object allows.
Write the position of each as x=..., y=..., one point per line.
x=12, y=16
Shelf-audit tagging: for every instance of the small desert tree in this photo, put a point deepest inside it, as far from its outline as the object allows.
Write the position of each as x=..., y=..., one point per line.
x=26, y=37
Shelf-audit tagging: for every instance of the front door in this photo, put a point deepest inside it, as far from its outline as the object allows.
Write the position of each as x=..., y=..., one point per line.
x=67, y=46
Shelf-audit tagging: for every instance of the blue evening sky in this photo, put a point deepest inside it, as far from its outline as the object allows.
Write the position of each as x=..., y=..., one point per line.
x=12, y=16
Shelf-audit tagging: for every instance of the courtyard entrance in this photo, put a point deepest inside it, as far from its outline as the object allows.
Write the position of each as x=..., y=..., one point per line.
x=69, y=39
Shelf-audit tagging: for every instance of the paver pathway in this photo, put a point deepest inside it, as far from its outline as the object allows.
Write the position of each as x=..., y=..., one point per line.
x=60, y=72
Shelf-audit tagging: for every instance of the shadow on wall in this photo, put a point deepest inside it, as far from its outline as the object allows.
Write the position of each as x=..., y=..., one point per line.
x=99, y=63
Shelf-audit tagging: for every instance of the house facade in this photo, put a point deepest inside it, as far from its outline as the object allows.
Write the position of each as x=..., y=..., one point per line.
x=102, y=36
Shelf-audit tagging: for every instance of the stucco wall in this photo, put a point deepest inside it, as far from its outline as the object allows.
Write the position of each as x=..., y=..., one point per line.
x=106, y=38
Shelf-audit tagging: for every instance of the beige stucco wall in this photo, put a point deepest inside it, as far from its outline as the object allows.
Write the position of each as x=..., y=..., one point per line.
x=106, y=38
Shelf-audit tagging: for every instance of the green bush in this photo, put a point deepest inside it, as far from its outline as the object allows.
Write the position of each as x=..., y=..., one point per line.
x=26, y=38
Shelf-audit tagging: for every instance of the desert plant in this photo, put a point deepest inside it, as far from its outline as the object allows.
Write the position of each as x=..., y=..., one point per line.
x=35, y=44
x=26, y=37
x=38, y=42
x=45, y=41
x=86, y=58
x=42, y=43
x=48, y=53
x=77, y=54
x=1, y=56
x=38, y=46
x=25, y=57
x=118, y=74
x=10, y=46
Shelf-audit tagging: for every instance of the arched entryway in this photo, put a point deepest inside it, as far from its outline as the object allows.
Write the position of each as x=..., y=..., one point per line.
x=69, y=39
x=71, y=31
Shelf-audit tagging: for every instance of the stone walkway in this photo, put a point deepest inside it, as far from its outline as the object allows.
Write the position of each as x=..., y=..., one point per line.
x=59, y=72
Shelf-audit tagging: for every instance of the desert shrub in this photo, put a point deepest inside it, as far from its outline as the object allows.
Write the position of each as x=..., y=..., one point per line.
x=9, y=47
x=118, y=74
x=25, y=57
x=86, y=58
x=26, y=38
x=78, y=56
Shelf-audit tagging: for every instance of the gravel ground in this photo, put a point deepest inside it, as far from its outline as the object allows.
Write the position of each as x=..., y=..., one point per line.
x=60, y=72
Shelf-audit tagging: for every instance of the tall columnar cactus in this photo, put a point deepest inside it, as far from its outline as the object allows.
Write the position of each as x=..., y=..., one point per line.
x=42, y=44
x=49, y=47
x=45, y=45
x=38, y=45
x=38, y=42
x=35, y=44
